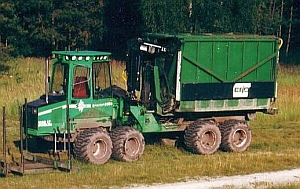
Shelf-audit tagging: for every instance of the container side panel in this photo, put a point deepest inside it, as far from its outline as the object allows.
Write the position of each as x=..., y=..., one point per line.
x=265, y=72
x=250, y=60
x=220, y=57
x=226, y=60
x=235, y=59
x=205, y=60
x=188, y=70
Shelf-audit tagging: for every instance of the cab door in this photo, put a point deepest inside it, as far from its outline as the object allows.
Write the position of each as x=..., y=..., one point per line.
x=91, y=102
x=80, y=94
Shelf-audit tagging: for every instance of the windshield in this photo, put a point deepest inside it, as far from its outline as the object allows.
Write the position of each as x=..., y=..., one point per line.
x=60, y=78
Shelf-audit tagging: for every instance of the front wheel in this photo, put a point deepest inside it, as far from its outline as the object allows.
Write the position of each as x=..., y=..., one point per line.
x=93, y=146
x=202, y=137
x=128, y=144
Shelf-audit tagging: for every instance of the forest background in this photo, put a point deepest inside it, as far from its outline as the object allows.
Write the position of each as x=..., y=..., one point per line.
x=34, y=28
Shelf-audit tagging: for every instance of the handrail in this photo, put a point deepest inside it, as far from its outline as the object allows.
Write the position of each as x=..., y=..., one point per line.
x=5, y=169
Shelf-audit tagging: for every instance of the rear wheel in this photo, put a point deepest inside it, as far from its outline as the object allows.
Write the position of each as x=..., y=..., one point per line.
x=202, y=137
x=128, y=144
x=236, y=136
x=93, y=146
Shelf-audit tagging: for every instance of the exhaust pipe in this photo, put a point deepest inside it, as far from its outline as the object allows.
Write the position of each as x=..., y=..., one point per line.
x=47, y=80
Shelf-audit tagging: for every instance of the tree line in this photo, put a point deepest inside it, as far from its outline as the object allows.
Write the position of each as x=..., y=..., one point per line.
x=37, y=27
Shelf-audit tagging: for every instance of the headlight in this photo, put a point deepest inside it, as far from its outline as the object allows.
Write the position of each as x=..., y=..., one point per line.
x=34, y=111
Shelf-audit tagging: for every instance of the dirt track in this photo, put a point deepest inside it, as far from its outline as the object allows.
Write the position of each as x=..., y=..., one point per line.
x=260, y=180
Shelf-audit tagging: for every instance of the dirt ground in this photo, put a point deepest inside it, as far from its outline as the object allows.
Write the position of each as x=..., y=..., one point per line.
x=257, y=180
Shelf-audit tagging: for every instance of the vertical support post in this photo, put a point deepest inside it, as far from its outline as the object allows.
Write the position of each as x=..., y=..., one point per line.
x=26, y=123
x=69, y=137
x=55, y=153
x=55, y=142
x=4, y=142
x=65, y=143
x=22, y=140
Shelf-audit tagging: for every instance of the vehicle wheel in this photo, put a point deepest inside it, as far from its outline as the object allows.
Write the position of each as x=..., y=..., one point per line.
x=202, y=137
x=236, y=136
x=93, y=146
x=128, y=144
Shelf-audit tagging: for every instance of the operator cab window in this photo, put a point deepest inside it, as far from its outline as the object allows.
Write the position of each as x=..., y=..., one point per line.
x=60, y=79
x=101, y=80
x=81, y=82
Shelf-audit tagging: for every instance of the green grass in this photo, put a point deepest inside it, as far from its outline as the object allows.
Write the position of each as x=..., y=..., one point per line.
x=275, y=145
x=24, y=79
x=288, y=98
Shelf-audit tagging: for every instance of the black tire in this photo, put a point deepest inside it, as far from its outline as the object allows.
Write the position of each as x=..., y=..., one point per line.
x=202, y=137
x=128, y=144
x=236, y=136
x=93, y=146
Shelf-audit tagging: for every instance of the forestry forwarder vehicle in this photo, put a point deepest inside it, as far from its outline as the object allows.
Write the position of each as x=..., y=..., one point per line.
x=199, y=89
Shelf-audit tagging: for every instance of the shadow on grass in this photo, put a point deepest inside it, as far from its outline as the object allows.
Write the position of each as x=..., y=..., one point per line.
x=35, y=145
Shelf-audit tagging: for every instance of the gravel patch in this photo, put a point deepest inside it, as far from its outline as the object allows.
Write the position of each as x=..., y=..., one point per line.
x=257, y=180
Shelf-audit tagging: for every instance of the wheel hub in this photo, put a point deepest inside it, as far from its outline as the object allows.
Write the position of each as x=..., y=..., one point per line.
x=239, y=138
x=208, y=139
x=99, y=149
x=132, y=146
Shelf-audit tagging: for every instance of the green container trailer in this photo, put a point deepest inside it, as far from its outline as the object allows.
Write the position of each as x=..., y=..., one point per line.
x=204, y=85
x=225, y=73
x=214, y=73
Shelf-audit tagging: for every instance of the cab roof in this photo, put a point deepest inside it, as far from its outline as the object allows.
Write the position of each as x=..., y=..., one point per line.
x=82, y=56
x=82, y=53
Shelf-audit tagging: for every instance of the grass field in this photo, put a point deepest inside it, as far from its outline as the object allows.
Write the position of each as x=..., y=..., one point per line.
x=275, y=144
